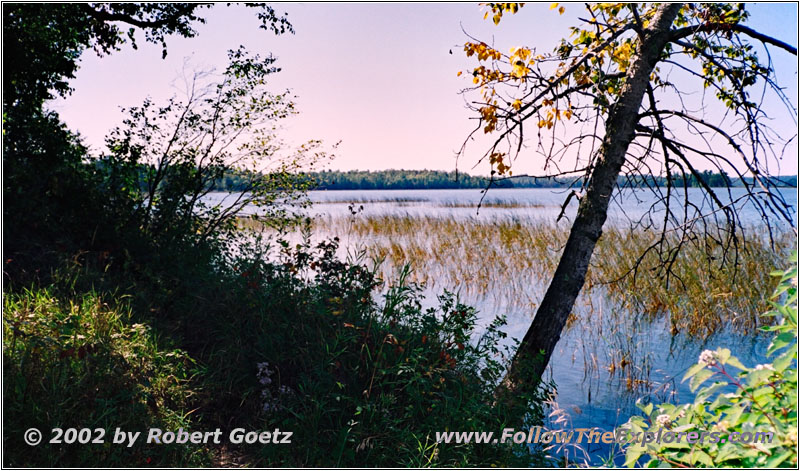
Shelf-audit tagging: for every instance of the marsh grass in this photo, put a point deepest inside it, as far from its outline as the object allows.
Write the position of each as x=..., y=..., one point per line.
x=506, y=263
x=510, y=260
x=493, y=203
x=363, y=199
x=413, y=200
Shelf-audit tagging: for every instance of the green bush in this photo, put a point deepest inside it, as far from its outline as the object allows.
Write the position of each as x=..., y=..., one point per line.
x=739, y=399
x=306, y=348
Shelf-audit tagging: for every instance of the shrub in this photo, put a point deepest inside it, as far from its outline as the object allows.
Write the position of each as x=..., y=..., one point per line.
x=360, y=383
x=271, y=336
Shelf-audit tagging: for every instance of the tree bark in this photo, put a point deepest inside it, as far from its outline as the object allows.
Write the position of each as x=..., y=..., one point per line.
x=539, y=342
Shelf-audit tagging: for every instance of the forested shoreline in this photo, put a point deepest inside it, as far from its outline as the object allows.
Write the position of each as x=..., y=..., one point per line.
x=440, y=180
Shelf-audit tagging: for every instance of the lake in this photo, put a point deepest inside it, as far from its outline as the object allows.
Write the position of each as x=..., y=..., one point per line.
x=591, y=390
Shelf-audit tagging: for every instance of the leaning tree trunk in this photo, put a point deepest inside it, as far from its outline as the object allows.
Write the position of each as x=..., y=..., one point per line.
x=539, y=342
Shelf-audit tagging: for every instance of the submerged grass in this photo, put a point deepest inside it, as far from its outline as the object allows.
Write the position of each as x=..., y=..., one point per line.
x=511, y=260
x=409, y=200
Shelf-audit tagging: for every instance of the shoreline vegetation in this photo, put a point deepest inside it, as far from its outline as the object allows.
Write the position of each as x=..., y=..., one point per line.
x=234, y=181
x=506, y=262
x=510, y=260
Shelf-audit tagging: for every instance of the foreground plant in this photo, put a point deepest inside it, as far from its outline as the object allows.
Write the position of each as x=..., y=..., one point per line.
x=78, y=362
x=740, y=399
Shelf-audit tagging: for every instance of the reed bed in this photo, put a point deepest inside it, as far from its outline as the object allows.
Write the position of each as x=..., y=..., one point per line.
x=511, y=260
x=498, y=203
x=408, y=200
x=393, y=199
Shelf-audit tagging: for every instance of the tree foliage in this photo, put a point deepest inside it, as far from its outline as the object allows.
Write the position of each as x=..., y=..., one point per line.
x=43, y=42
x=619, y=97
x=54, y=194
x=165, y=159
x=558, y=102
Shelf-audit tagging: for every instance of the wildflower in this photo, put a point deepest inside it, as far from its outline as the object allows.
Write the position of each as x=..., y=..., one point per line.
x=765, y=367
x=663, y=420
x=708, y=358
x=264, y=373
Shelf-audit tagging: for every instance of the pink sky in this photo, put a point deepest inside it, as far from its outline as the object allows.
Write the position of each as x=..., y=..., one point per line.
x=377, y=77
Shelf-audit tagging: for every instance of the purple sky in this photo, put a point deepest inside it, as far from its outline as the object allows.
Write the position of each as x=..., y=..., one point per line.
x=378, y=77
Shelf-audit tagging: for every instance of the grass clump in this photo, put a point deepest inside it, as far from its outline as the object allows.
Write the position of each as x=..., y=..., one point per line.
x=78, y=362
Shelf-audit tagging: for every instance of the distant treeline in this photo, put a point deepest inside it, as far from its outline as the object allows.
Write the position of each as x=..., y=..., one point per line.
x=436, y=180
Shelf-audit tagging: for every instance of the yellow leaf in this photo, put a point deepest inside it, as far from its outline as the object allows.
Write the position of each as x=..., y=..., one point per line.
x=517, y=104
x=553, y=5
x=459, y=74
x=561, y=10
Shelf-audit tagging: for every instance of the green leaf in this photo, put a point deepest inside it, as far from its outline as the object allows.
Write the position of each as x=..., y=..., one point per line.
x=707, y=391
x=776, y=460
x=734, y=414
x=632, y=456
x=698, y=378
x=780, y=341
x=693, y=371
x=723, y=354
x=758, y=377
x=683, y=428
x=733, y=361
x=784, y=360
x=699, y=456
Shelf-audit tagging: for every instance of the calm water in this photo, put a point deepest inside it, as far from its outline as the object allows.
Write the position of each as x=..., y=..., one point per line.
x=537, y=203
x=589, y=395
